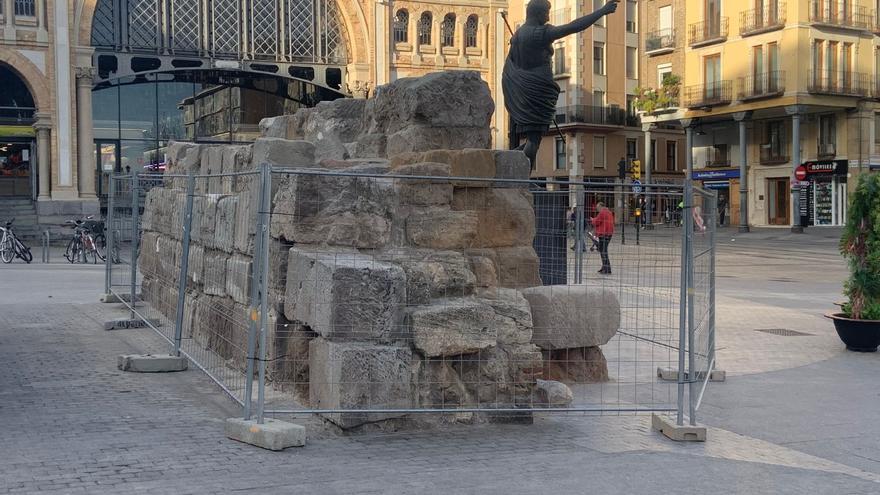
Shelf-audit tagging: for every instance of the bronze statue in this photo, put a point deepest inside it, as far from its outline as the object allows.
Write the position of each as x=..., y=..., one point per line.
x=530, y=93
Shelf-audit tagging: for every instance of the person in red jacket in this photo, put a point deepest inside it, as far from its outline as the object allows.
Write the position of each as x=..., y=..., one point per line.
x=603, y=227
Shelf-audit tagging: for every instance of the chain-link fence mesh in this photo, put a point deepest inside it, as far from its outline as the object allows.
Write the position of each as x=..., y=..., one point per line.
x=370, y=295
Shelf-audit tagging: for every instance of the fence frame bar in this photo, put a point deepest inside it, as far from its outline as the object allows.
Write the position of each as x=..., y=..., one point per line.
x=135, y=239
x=108, y=226
x=264, y=214
x=184, y=262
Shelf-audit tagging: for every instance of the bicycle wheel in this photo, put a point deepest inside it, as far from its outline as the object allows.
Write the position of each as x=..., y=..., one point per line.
x=73, y=249
x=23, y=251
x=101, y=246
x=7, y=250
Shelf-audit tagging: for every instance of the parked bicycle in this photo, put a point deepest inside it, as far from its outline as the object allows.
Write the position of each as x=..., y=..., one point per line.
x=88, y=241
x=12, y=247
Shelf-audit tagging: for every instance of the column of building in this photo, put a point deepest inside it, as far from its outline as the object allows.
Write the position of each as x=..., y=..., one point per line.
x=43, y=128
x=85, y=144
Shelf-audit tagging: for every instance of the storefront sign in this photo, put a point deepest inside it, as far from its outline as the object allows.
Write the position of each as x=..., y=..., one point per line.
x=836, y=167
x=715, y=174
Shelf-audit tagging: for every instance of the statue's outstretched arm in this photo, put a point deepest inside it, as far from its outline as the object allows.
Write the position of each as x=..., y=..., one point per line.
x=581, y=23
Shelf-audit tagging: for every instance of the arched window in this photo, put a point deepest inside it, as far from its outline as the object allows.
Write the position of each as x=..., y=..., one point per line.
x=25, y=8
x=425, y=28
x=470, y=31
x=401, y=26
x=447, y=31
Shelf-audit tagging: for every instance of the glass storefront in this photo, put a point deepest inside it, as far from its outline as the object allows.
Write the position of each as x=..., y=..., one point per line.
x=16, y=136
x=828, y=200
x=136, y=117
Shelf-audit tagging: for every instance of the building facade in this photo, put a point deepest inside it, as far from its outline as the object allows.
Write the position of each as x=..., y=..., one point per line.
x=99, y=86
x=779, y=98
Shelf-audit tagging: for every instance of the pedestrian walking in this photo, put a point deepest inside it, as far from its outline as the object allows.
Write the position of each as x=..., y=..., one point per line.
x=603, y=226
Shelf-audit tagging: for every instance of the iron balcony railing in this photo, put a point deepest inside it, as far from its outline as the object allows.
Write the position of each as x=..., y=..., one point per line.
x=826, y=149
x=840, y=83
x=773, y=156
x=590, y=114
x=763, y=85
x=661, y=40
x=708, y=32
x=850, y=17
x=762, y=20
x=708, y=95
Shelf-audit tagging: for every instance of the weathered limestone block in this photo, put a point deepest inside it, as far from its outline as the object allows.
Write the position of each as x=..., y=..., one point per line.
x=148, y=256
x=196, y=267
x=449, y=327
x=222, y=328
x=168, y=253
x=238, y=278
x=357, y=165
x=333, y=124
x=512, y=164
x=515, y=267
x=207, y=213
x=424, y=192
x=432, y=274
x=484, y=270
x=501, y=376
x=442, y=110
x=223, y=237
x=438, y=384
x=572, y=316
x=336, y=211
x=577, y=365
x=277, y=127
x=236, y=158
x=212, y=164
x=245, y=221
x=468, y=163
x=345, y=296
x=505, y=216
x=553, y=393
x=439, y=228
x=283, y=153
x=351, y=375
x=278, y=254
x=291, y=372
x=215, y=273
x=512, y=319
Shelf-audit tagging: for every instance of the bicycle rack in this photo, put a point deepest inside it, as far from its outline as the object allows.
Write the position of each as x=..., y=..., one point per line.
x=45, y=238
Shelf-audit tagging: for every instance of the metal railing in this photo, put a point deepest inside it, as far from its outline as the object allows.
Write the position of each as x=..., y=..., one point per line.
x=761, y=20
x=659, y=41
x=840, y=83
x=591, y=114
x=762, y=85
x=258, y=278
x=852, y=17
x=707, y=95
x=826, y=149
x=770, y=156
x=707, y=32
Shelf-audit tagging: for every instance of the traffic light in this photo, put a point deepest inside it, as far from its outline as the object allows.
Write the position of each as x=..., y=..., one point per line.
x=621, y=169
x=637, y=170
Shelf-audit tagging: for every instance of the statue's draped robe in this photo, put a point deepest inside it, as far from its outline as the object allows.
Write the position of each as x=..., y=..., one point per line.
x=530, y=93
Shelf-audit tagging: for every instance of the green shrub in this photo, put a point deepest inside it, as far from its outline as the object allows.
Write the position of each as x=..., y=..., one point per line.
x=860, y=245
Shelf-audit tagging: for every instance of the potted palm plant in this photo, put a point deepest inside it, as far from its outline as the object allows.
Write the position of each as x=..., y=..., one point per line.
x=858, y=323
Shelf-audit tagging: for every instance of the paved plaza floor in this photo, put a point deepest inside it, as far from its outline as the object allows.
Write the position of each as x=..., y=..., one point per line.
x=798, y=414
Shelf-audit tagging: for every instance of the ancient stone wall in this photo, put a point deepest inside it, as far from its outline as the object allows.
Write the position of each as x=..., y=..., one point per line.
x=398, y=289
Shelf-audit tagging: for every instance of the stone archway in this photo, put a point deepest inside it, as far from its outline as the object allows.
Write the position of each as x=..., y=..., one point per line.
x=32, y=77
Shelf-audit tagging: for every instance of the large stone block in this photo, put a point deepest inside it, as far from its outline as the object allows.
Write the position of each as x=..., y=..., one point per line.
x=238, y=278
x=450, y=327
x=215, y=273
x=577, y=365
x=424, y=192
x=504, y=216
x=345, y=296
x=289, y=369
x=432, y=274
x=514, y=165
x=331, y=125
x=501, y=376
x=440, y=228
x=336, y=211
x=350, y=375
x=223, y=237
x=515, y=267
x=245, y=221
x=512, y=318
x=565, y=316
x=283, y=153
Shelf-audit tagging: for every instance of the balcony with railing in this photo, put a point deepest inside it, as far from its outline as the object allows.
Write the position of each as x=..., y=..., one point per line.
x=592, y=115
x=839, y=83
x=758, y=21
x=707, y=32
x=826, y=150
x=766, y=85
x=840, y=16
x=660, y=41
x=708, y=95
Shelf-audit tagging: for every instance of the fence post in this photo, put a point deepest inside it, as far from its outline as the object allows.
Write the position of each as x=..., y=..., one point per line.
x=712, y=240
x=135, y=240
x=691, y=327
x=108, y=226
x=580, y=243
x=252, y=317
x=184, y=261
x=265, y=212
x=682, y=322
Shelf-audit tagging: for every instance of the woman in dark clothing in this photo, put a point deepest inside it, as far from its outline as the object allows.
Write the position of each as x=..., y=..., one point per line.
x=530, y=93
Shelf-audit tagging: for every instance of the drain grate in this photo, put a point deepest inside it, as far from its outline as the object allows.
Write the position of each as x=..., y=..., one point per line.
x=783, y=332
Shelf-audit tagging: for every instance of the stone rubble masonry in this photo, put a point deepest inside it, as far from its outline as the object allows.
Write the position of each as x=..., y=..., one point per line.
x=384, y=292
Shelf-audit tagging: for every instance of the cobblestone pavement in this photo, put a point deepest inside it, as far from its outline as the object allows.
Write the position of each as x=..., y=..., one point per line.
x=799, y=415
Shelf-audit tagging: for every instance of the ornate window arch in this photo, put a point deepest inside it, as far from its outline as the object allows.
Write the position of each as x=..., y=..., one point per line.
x=426, y=22
x=401, y=26
x=447, y=30
x=471, y=28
